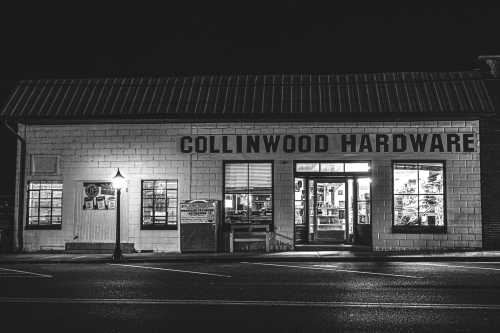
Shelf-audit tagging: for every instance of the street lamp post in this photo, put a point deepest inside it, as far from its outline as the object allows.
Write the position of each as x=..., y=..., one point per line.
x=119, y=182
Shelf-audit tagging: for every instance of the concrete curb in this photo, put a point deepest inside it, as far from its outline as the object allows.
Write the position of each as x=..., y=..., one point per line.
x=181, y=259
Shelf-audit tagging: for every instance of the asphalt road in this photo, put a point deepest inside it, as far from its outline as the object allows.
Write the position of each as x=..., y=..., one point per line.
x=263, y=297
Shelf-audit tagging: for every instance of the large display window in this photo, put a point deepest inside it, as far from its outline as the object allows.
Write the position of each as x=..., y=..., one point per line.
x=248, y=192
x=419, y=198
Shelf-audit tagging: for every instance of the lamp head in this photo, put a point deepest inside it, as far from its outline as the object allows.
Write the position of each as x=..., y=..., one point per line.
x=119, y=181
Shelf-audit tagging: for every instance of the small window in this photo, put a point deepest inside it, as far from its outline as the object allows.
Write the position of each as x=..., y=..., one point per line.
x=332, y=167
x=418, y=197
x=307, y=167
x=357, y=167
x=248, y=193
x=159, y=204
x=45, y=204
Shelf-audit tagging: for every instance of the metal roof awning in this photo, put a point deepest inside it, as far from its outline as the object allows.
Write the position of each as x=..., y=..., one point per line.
x=252, y=97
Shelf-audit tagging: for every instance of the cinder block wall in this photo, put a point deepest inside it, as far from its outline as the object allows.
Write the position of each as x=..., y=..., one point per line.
x=151, y=151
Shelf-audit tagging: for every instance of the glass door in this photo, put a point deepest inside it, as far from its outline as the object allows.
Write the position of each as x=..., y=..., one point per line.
x=300, y=211
x=330, y=215
x=363, y=227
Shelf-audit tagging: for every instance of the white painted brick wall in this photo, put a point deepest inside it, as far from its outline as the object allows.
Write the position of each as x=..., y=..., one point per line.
x=150, y=151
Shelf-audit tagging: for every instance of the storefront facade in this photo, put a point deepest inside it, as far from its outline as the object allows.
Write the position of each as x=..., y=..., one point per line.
x=410, y=183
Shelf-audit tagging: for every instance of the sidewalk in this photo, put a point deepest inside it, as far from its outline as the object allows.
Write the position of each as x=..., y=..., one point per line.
x=318, y=256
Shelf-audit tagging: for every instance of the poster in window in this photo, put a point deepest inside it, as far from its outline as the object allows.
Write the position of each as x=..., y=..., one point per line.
x=89, y=203
x=99, y=196
x=101, y=202
x=111, y=202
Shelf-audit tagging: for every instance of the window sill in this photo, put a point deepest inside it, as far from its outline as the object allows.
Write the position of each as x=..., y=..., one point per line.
x=43, y=227
x=405, y=229
x=159, y=227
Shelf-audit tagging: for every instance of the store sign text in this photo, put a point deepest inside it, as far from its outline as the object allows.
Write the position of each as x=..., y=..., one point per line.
x=322, y=143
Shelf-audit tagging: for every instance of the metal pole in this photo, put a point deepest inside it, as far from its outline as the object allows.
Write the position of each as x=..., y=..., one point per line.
x=117, y=255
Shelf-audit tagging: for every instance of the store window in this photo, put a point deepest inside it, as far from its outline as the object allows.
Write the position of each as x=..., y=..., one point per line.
x=45, y=204
x=159, y=204
x=418, y=197
x=248, y=192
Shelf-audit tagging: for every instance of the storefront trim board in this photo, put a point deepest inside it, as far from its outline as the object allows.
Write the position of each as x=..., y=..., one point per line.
x=168, y=151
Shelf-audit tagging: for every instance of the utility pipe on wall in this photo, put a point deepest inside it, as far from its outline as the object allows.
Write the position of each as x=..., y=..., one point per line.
x=20, y=184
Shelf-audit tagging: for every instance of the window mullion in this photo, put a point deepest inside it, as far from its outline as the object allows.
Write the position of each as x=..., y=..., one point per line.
x=154, y=203
x=51, y=204
x=39, y=195
x=248, y=192
x=418, y=196
x=166, y=202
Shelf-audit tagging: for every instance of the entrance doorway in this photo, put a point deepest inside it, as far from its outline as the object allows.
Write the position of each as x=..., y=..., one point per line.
x=333, y=208
x=329, y=220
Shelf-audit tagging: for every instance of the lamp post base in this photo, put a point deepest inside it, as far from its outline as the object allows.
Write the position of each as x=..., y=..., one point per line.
x=117, y=256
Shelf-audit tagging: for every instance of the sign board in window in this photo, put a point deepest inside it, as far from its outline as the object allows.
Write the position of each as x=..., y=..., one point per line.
x=99, y=196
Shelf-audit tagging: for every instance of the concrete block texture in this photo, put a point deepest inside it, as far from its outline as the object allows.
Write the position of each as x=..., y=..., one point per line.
x=152, y=151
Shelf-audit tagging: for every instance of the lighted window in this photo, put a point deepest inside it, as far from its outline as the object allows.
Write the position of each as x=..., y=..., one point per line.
x=159, y=204
x=45, y=204
x=248, y=192
x=332, y=167
x=418, y=195
x=357, y=167
x=307, y=167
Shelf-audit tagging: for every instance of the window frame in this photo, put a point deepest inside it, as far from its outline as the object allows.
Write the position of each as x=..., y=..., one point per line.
x=160, y=226
x=50, y=226
x=420, y=229
x=332, y=174
x=226, y=162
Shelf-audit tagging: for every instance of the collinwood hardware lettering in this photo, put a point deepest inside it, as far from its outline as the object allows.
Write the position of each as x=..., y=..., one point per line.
x=255, y=144
x=322, y=143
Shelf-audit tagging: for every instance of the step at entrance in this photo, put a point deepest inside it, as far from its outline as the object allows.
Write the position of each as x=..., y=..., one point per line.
x=333, y=247
x=88, y=247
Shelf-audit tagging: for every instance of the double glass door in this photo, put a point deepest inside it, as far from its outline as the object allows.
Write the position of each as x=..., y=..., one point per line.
x=332, y=210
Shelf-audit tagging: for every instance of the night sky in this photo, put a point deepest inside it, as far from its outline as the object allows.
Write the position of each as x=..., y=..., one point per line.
x=214, y=37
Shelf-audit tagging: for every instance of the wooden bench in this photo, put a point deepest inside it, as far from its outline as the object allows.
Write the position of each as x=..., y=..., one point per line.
x=248, y=233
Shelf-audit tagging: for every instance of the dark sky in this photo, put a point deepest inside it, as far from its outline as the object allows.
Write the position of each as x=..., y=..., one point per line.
x=82, y=39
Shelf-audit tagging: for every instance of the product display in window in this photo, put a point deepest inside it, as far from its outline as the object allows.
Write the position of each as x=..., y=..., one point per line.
x=159, y=203
x=248, y=193
x=418, y=194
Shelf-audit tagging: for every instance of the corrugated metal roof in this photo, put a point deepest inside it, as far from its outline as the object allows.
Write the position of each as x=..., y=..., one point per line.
x=256, y=96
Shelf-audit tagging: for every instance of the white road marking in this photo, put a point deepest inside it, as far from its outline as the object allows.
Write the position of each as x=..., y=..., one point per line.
x=80, y=257
x=173, y=270
x=481, y=262
x=269, y=303
x=335, y=270
x=458, y=266
x=51, y=257
x=13, y=275
x=25, y=272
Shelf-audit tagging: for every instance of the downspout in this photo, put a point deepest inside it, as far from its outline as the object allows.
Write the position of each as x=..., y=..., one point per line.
x=21, y=189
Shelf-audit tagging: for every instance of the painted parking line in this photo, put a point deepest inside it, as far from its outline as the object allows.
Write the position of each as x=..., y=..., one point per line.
x=173, y=270
x=267, y=303
x=80, y=257
x=25, y=272
x=53, y=256
x=458, y=266
x=335, y=269
x=14, y=275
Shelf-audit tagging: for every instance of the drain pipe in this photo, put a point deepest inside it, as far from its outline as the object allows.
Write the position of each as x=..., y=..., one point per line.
x=22, y=176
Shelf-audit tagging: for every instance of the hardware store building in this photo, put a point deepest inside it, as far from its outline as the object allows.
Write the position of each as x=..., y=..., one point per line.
x=387, y=161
